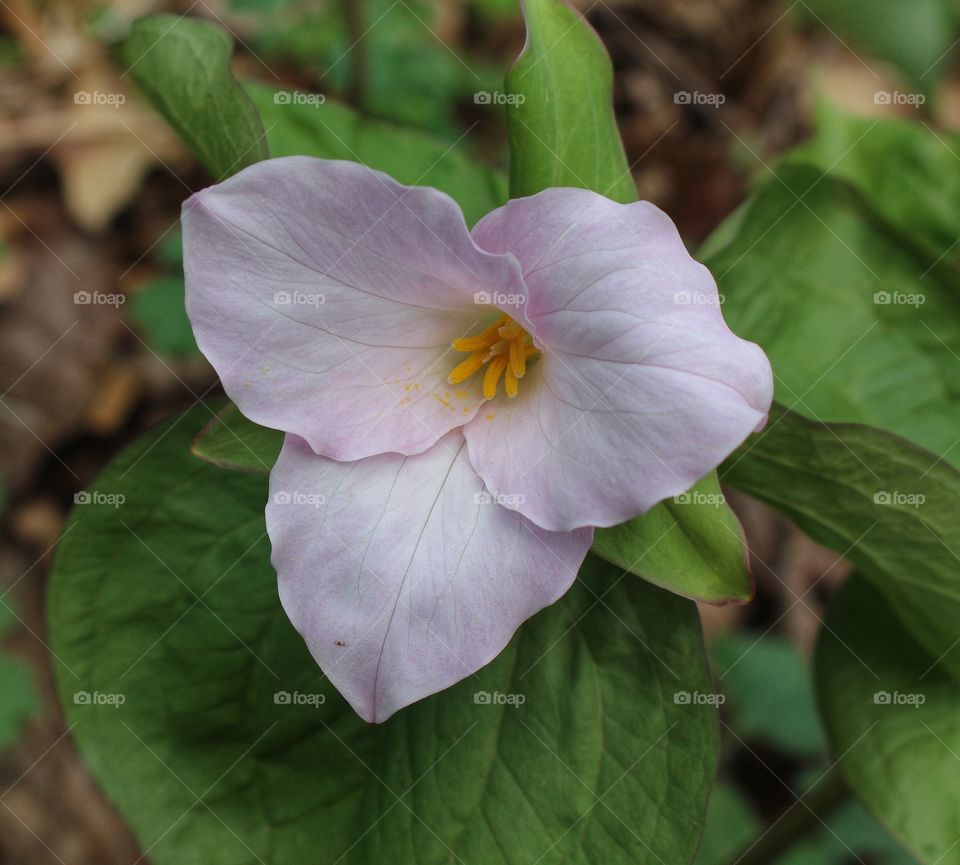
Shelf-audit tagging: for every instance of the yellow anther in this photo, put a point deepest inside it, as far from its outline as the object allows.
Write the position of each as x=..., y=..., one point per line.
x=503, y=348
x=491, y=378
x=463, y=370
x=510, y=383
x=518, y=357
x=482, y=340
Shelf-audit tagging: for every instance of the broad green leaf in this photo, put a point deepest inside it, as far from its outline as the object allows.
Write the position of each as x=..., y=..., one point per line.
x=887, y=505
x=916, y=37
x=183, y=66
x=692, y=545
x=857, y=325
x=157, y=309
x=19, y=700
x=333, y=131
x=230, y=441
x=220, y=741
x=730, y=826
x=891, y=711
x=909, y=173
x=560, y=108
x=769, y=692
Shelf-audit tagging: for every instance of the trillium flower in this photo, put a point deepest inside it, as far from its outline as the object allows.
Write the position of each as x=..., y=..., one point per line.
x=461, y=408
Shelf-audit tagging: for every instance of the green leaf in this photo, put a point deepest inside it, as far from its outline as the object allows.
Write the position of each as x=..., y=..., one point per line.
x=230, y=441
x=19, y=700
x=333, y=131
x=891, y=711
x=769, y=692
x=887, y=505
x=166, y=609
x=562, y=127
x=157, y=309
x=730, y=826
x=183, y=66
x=692, y=545
x=857, y=325
x=910, y=174
x=917, y=37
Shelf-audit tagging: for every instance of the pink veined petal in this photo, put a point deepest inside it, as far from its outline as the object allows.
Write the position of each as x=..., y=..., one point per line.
x=642, y=389
x=401, y=574
x=326, y=295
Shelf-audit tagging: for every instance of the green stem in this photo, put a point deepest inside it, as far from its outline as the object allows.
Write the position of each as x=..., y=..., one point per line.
x=801, y=819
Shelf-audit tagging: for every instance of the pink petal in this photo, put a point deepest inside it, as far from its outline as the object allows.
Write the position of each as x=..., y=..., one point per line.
x=641, y=390
x=326, y=295
x=401, y=578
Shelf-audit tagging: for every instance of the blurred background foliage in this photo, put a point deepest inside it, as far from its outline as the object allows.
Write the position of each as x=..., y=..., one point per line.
x=91, y=196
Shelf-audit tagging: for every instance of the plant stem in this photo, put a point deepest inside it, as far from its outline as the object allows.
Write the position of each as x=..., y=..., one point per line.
x=799, y=820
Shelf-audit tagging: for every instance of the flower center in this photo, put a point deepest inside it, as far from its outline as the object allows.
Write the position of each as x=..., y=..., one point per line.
x=503, y=348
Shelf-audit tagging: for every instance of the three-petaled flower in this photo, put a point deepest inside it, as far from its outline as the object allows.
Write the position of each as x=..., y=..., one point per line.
x=461, y=408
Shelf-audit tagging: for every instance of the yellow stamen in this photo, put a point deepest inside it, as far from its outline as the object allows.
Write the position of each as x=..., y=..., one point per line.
x=518, y=358
x=503, y=348
x=481, y=340
x=463, y=370
x=510, y=383
x=491, y=378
